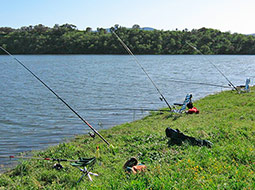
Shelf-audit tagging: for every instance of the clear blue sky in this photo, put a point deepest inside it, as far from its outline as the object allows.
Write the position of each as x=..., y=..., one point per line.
x=225, y=15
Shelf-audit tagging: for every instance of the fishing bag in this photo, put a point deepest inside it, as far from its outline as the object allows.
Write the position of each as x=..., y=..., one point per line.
x=176, y=137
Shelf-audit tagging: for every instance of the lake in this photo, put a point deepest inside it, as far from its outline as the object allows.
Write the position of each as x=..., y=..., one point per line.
x=101, y=88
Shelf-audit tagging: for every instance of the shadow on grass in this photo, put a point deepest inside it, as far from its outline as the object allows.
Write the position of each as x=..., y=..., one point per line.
x=172, y=116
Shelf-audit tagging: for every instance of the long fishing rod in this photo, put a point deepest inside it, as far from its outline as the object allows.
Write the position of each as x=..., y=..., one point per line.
x=137, y=62
x=123, y=109
x=77, y=163
x=87, y=123
x=214, y=66
x=198, y=83
x=38, y=158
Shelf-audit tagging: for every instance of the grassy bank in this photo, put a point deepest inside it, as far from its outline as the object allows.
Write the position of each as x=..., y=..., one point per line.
x=227, y=119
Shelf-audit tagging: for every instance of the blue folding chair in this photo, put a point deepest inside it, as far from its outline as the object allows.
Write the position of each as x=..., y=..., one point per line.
x=183, y=105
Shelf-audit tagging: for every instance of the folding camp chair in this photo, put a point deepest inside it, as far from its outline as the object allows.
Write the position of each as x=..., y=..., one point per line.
x=246, y=87
x=184, y=104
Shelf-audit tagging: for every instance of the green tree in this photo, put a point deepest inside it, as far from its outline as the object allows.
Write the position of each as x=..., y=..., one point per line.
x=67, y=39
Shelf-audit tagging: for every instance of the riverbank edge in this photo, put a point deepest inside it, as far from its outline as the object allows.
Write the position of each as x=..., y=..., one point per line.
x=145, y=139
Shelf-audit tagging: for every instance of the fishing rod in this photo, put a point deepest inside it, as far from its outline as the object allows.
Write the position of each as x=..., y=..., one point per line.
x=87, y=123
x=214, y=66
x=82, y=162
x=57, y=166
x=123, y=109
x=137, y=62
x=198, y=83
x=38, y=158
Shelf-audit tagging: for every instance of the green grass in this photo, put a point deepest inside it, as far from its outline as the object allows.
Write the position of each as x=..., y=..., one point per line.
x=227, y=119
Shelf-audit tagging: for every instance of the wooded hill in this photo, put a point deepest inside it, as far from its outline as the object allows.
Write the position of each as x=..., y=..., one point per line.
x=67, y=39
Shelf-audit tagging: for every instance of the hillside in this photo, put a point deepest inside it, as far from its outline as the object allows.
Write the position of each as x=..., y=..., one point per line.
x=226, y=119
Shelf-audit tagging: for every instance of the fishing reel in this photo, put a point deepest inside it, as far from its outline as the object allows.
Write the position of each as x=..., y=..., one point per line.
x=92, y=135
x=57, y=165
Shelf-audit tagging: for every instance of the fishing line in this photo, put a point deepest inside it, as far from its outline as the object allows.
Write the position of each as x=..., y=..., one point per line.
x=214, y=66
x=137, y=62
x=56, y=95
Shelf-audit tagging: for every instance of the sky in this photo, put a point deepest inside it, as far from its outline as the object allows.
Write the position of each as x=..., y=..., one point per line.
x=235, y=16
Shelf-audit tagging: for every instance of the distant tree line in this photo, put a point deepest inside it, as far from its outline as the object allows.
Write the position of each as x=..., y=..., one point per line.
x=67, y=39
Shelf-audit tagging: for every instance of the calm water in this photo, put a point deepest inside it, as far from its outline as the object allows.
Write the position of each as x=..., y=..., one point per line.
x=31, y=117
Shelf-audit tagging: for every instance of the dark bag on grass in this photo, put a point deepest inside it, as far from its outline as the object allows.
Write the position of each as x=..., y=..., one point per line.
x=177, y=138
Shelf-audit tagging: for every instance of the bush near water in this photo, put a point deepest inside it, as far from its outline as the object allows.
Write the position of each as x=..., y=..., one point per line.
x=67, y=39
x=227, y=119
